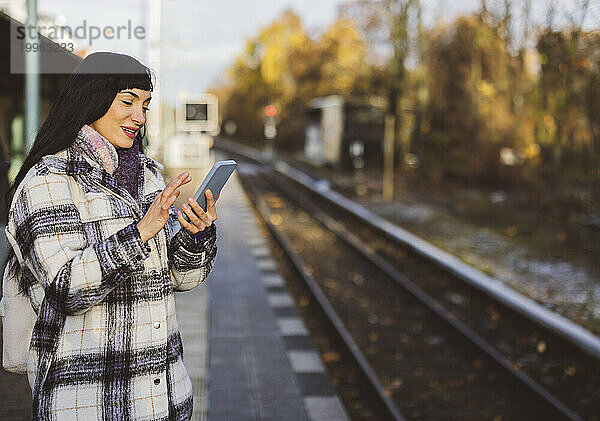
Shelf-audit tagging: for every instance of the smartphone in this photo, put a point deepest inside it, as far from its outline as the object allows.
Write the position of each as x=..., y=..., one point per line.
x=214, y=181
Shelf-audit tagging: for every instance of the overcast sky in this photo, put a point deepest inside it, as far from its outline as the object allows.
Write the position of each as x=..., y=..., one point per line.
x=201, y=38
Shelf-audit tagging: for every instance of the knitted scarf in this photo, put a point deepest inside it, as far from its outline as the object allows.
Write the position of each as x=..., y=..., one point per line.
x=122, y=163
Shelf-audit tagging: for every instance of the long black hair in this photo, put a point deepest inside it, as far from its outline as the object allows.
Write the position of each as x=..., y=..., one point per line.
x=87, y=95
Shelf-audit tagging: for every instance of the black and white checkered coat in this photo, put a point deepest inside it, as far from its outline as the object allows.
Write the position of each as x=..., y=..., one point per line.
x=106, y=343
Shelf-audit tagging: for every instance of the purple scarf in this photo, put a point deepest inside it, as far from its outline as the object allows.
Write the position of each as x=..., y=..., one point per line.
x=123, y=164
x=127, y=171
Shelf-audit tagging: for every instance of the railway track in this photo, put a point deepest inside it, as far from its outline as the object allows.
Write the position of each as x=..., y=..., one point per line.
x=430, y=345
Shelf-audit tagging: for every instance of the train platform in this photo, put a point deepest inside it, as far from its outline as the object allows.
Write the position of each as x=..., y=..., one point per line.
x=248, y=353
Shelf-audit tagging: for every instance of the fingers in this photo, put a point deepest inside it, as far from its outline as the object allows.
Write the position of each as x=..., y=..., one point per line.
x=181, y=179
x=185, y=177
x=167, y=204
x=210, y=204
x=188, y=226
x=199, y=218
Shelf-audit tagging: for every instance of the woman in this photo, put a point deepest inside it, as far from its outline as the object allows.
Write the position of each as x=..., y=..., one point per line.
x=99, y=249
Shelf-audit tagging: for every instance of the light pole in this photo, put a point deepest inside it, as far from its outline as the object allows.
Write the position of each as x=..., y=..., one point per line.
x=32, y=76
x=155, y=131
x=270, y=131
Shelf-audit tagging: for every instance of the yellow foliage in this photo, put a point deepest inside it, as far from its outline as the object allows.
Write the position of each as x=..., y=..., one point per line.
x=485, y=88
x=531, y=151
x=347, y=55
x=277, y=41
x=272, y=64
x=297, y=40
x=283, y=65
x=550, y=124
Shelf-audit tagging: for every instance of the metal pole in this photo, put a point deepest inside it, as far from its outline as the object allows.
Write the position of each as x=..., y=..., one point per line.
x=32, y=77
x=388, y=157
x=154, y=123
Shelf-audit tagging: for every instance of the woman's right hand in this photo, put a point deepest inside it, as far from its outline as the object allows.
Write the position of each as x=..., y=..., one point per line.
x=158, y=213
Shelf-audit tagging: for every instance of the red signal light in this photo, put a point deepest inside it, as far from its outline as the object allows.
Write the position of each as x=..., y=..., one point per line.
x=270, y=111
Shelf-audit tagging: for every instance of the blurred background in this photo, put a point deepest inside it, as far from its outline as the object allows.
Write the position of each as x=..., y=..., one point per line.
x=490, y=110
x=474, y=124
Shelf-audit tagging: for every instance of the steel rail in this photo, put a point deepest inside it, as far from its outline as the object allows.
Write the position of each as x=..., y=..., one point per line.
x=385, y=406
x=430, y=303
x=494, y=288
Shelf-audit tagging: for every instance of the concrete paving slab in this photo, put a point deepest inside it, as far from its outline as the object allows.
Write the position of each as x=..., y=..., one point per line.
x=272, y=280
x=266, y=264
x=280, y=300
x=292, y=326
x=306, y=362
x=325, y=408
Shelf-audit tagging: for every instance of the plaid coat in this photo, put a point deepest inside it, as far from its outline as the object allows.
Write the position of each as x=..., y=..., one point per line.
x=106, y=343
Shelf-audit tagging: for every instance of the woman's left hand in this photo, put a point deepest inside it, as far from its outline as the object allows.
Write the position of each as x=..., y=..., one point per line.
x=199, y=218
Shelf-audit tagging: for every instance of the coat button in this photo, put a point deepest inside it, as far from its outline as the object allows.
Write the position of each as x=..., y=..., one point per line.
x=157, y=381
x=156, y=325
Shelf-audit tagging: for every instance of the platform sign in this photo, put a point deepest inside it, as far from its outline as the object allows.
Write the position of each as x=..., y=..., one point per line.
x=198, y=113
x=197, y=121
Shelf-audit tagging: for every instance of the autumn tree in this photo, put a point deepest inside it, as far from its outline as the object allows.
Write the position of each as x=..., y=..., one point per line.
x=471, y=99
x=284, y=66
x=568, y=127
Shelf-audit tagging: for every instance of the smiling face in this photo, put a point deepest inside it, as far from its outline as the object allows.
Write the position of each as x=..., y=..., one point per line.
x=124, y=118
